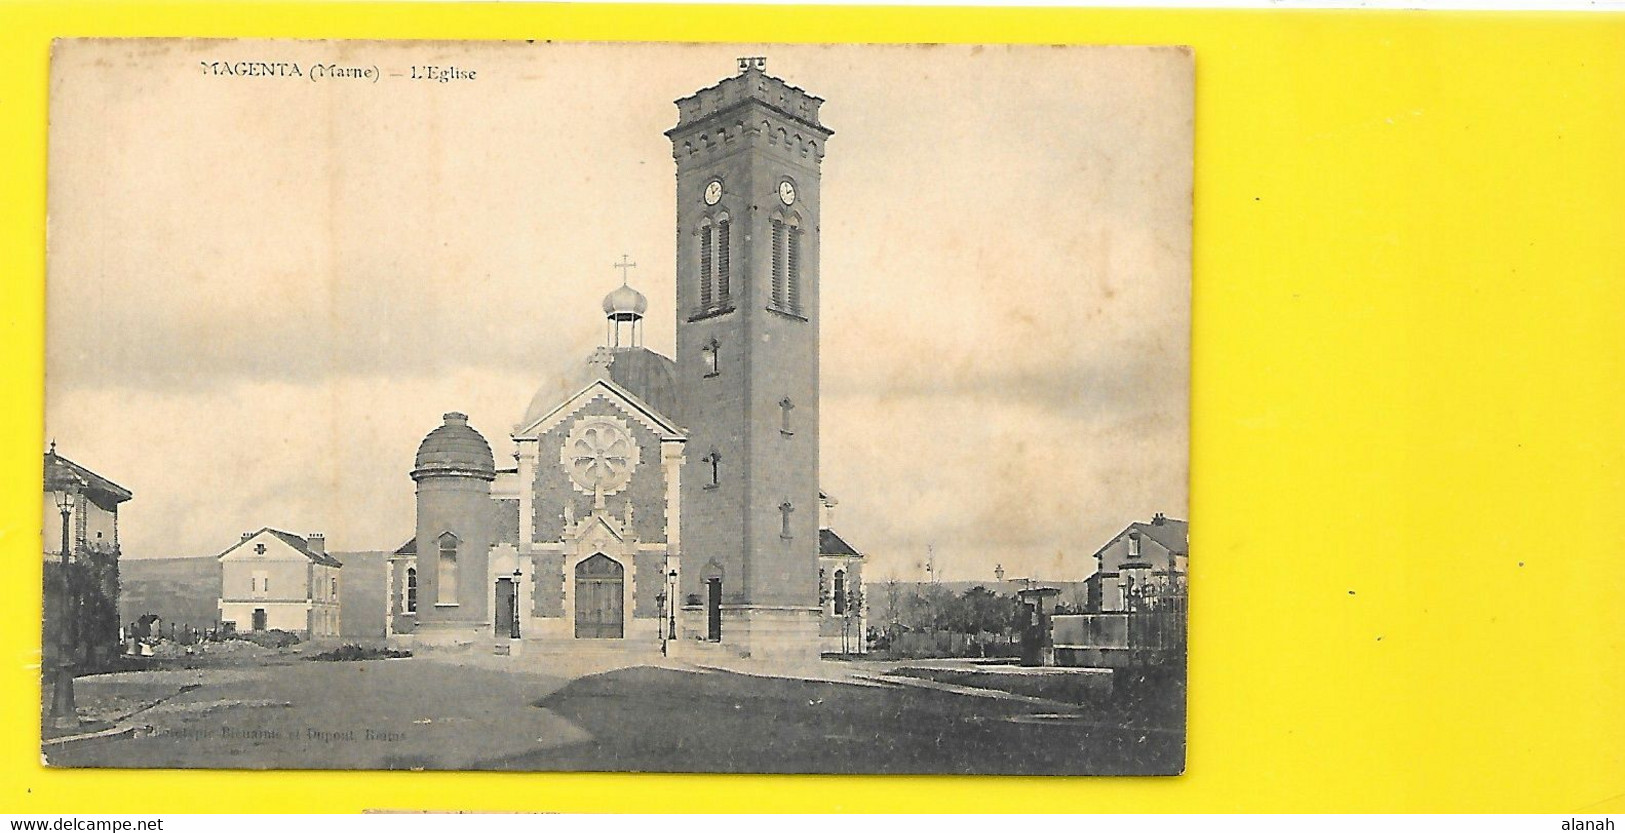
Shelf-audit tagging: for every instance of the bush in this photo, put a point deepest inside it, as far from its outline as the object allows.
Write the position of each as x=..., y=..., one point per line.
x=269, y=639
x=356, y=653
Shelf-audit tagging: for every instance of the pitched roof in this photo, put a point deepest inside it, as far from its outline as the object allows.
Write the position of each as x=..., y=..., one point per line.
x=409, y=548
x=62, y=473
x=299, y=544
x=831, y=544
x=1172, y=534
x=303, y=546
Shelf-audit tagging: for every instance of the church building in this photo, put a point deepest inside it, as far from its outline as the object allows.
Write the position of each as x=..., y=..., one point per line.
x=672, y=504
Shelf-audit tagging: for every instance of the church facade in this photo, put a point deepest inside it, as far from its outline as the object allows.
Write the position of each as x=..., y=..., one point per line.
x=658, y=502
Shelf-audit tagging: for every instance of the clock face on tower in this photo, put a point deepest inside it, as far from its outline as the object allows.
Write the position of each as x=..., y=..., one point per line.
x=713, y=192
x=787, y=192
x=600, y=455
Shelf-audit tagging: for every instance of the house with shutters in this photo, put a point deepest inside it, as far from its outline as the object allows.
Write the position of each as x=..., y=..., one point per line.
x=81, y=571
x=275, y=580
x=1144, y=557
x=1137, y=608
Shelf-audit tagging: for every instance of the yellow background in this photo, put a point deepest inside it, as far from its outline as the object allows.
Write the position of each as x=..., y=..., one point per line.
x=1408, y=429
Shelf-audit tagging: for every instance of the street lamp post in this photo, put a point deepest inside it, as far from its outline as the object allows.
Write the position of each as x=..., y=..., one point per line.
x=513, y=604
x=64, y=712
x=669, y=632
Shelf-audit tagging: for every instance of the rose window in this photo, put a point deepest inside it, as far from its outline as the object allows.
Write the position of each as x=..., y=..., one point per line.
x=600, y=456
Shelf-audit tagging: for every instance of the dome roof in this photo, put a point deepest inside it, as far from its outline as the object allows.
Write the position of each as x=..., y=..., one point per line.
x=639, y=371
x=625, y=303
x=455, y=450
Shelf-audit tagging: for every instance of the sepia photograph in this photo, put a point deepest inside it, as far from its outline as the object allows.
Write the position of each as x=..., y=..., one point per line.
x=628, y=407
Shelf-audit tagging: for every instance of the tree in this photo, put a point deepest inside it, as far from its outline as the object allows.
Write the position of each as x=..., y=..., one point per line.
x=854, y=606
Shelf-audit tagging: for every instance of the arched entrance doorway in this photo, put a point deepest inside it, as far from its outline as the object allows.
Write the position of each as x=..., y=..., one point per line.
x=600, y=598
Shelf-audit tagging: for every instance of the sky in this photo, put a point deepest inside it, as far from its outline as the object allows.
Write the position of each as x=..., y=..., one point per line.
x=263, y=290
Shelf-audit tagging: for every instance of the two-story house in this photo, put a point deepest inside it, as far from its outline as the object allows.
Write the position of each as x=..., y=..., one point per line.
x=274, y=580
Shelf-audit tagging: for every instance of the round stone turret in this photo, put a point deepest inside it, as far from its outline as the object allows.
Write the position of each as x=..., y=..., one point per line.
x=455, y=449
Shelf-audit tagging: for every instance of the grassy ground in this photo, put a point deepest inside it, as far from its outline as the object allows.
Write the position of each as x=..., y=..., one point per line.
x=1067, y=688
x=1154, y=699
x=648, y=719
x=280, y=712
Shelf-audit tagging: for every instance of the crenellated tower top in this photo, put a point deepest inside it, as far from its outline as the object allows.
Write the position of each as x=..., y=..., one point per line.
x=758, y=102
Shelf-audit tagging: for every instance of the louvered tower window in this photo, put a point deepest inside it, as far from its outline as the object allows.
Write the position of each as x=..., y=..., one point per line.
x=779, y=292
x=722, y=260
x=706, y=276
x=793, y=281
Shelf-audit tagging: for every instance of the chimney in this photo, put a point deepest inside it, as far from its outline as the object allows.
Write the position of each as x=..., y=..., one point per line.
x=316, y=543
x=247, y=535
x=1158, y=518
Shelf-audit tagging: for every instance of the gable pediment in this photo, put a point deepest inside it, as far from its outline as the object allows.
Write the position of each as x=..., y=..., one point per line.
x=605, y=389
x=275, y=550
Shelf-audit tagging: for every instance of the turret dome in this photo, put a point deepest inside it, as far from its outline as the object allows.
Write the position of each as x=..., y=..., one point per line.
x=625, y=304
x=455, y=449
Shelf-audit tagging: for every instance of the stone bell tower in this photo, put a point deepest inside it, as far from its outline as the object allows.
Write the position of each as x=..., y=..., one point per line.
x=748, y=151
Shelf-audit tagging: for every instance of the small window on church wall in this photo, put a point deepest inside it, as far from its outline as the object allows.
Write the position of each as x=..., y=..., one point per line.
x=784, y=519
x=840, y=592
x=709, y=354
x=785, y=406
x=713, y=466
x=411, y=590
x=1134, y=546
x=446, y=576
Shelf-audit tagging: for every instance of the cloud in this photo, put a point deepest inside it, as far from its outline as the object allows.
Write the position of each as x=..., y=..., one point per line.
x=261, y=296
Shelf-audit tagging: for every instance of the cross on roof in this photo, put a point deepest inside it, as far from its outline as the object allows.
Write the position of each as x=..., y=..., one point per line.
x=625, y=266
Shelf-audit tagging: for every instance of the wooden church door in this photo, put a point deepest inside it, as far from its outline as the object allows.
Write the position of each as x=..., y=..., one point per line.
x=506, y=623
x=600, y=598
x=713, y=609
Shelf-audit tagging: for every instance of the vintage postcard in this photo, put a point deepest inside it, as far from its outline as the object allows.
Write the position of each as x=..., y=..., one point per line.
x=631, y=407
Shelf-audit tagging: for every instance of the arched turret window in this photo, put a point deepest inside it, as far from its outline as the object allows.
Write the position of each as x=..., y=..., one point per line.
x=785, y=407
x=446, y=574
x=785, y=509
